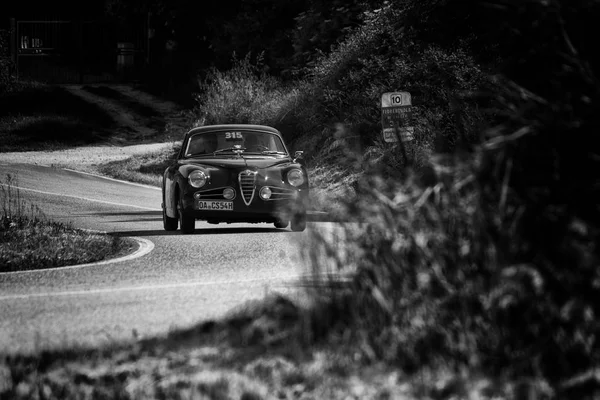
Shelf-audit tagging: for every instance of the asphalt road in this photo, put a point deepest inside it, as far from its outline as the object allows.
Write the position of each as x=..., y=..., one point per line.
x=183, y=280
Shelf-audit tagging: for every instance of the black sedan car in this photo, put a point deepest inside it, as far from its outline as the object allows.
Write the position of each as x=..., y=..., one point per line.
x=234, y=173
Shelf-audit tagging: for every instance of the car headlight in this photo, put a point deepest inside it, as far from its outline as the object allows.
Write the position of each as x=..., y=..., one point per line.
x=265, y=193
x=198, y=178
x=295, y=177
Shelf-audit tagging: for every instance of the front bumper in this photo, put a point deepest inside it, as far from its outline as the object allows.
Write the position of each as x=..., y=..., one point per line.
x=284, y=203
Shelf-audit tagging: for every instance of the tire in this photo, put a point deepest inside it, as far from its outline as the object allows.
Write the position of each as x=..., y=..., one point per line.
x=299, y=222
x=281, y=224
x=187, y=223
x=170, y=224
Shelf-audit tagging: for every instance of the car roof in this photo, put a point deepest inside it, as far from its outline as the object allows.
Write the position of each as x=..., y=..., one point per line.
x=250, y=127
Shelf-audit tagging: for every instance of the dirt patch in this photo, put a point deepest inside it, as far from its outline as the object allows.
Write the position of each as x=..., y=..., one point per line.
x=141, y=117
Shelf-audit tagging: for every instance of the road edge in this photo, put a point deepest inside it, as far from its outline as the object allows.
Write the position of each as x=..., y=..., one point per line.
x=145, y=246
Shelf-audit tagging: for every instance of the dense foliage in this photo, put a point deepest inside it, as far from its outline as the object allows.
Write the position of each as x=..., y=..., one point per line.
x=490, y=258
x=483, y=250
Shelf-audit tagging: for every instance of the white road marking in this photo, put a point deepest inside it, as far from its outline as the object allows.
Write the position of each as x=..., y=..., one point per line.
x=111, y=179
x=141, y=288
x=86, y=199
x=145, y=247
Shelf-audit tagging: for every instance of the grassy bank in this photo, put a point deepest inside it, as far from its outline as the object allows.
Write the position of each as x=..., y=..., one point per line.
x=145, y=168
x=35, y=116
x=29, y=241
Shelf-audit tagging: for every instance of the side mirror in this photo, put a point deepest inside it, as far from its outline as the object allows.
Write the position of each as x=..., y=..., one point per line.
x=298, y=155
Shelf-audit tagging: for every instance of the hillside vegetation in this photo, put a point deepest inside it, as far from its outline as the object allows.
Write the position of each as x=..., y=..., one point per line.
x=479, y=238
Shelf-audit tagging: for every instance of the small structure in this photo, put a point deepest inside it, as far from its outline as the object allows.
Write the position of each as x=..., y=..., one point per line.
x=79, y=51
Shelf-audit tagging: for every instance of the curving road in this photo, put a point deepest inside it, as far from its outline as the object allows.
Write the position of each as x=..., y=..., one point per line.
x=184, y=279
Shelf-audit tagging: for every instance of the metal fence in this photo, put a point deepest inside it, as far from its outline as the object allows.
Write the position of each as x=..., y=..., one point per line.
x=80, y=51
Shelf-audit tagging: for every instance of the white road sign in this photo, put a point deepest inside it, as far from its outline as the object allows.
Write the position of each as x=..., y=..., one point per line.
x=396, y=115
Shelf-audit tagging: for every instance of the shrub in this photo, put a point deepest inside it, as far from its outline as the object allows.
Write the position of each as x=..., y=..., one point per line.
x=346, y=86
x=487, y=259
x=241, y=95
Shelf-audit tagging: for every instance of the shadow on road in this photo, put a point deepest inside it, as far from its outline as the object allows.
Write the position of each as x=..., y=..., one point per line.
x=150, y=232
x=132, y=213
x=139, y=220
x=156, y=216
x=206, y=231
x=312, y=215
x=144, y=216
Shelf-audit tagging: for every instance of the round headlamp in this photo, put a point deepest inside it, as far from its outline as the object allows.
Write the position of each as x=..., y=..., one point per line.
x=228, y=193
x=198, y=178
x=295, y=177
x=265, y=193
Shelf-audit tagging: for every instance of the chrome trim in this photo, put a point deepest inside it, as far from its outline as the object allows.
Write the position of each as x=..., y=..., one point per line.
x=247, y=181
x=279, y=193
x=214, y=194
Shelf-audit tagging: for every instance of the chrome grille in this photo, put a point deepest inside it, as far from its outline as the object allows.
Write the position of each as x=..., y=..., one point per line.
x=212, y=194
x=247, y=179
x=283, y=194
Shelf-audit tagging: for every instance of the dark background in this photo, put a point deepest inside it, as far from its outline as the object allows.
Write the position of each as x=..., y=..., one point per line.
x=187, y=37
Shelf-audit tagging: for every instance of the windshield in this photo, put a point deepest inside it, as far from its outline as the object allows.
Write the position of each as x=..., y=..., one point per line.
x=251, y=142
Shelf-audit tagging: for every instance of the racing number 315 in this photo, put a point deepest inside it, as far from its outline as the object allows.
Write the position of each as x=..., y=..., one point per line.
x=233, y=135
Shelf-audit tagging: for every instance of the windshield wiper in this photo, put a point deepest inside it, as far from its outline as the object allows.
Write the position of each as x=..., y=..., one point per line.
x=229, y=149
x=272, y=152
x=198, y=155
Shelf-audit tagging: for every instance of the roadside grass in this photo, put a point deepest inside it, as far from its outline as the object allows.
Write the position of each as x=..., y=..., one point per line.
x=29, y=240
x=263, y=351
x=242, y=95
x=146, y=168
x=35, y=116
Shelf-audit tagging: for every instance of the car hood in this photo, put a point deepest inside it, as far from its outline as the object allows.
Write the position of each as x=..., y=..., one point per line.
x=238, y=162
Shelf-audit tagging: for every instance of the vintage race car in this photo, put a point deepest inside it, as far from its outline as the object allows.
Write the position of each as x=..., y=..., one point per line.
x=234, y=173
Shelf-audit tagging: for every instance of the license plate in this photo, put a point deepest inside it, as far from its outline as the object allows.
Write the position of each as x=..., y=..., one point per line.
x=215, y=205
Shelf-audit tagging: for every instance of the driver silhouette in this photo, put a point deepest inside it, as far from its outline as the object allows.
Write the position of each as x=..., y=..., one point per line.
x=251, y=143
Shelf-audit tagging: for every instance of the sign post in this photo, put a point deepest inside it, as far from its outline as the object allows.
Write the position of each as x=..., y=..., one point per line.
x=396, y=115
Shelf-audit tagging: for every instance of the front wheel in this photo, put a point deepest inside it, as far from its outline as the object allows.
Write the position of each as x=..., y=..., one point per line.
x=281, y=224
x=187, y=223
x=299, y=222
x=170, y=224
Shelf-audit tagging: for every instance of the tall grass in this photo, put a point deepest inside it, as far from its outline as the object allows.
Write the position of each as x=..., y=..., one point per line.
x=29, y=240
x=15, y=211
x=485, y=259
x=243, y=94
x=477, y=244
